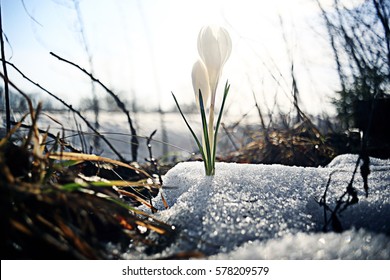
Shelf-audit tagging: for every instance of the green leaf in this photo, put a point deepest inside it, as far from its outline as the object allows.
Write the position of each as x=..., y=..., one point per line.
x=192, y=132
x=225, y=94
x=209, y=159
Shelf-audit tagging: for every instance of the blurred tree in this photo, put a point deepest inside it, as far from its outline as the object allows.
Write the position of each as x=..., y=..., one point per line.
x=16, y=101
x=360, y=39
x=19, y=104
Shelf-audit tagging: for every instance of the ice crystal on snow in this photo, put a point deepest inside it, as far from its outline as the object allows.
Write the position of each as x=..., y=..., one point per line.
x=270, y=211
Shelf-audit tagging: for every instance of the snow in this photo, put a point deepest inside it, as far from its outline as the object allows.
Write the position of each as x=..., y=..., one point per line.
x=351, y=244
x=251, y=211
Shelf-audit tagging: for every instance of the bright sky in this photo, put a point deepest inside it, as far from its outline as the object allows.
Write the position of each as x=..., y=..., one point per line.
x=147, y=48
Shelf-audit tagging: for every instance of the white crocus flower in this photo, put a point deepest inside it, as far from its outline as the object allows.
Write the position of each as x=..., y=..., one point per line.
x=214, y=47
x=200, y=81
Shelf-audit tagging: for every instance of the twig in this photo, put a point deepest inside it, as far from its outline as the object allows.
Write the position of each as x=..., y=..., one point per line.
x=337, y=227
x=259, y=111
x=95, y=101
x=29, y=14
x=154, y=162
x=5, y=77
x=151, y=159
x=121, y=105
x=323, y=201
x=341, y=204
x=70, y=108
x=229, y=136
x=51, y=135
x=243, y=116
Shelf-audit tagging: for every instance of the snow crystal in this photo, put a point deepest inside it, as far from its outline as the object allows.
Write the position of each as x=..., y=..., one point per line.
x=272, y=211
x=350, y=244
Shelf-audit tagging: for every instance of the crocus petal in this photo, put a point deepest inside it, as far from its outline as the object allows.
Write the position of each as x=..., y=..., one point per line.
x=200, y=81
x=214, y=47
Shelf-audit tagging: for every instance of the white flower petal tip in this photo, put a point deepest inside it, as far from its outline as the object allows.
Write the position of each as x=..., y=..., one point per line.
x=214, y=47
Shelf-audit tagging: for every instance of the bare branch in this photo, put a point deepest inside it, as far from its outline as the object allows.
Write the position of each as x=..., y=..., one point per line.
x=121, y=105
x=70, y=108
x=5, y=77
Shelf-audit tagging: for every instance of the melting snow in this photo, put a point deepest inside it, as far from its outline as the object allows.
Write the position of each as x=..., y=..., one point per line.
x=251, y=211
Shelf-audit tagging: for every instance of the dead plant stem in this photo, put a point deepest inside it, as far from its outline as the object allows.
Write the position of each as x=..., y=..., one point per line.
x=5, y=77
x=70, y=107
x=121, y=105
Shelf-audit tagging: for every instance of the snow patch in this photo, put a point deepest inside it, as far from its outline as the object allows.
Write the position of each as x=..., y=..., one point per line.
x=350, y=244
x=272, y=211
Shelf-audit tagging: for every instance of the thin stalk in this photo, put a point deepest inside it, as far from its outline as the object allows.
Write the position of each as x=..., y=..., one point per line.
x=6, y=89
x=70, y=107
x=120, y=104
x=95, y=100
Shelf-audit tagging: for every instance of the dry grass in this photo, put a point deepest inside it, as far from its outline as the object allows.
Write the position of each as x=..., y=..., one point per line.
x=51, y=211
x=302, y=145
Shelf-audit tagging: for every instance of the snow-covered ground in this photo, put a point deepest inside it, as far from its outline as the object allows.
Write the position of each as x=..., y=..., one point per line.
x=271, y=211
